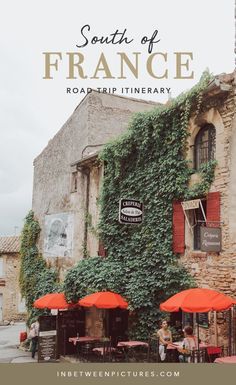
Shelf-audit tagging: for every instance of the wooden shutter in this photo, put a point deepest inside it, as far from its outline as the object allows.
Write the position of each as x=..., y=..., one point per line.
x=101, y=249
x=178, y=228
x=213, y=209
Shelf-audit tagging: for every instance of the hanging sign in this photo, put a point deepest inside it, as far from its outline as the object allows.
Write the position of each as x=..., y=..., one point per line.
x=191, y=205
x=130, y=211
x=210, y=239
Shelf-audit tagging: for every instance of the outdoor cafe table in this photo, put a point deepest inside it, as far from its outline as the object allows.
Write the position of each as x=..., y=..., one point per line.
x=76, y=340
x=175, y=345
x=85, y=339
x=126, y=345
x=172, y=350
x=226, y=360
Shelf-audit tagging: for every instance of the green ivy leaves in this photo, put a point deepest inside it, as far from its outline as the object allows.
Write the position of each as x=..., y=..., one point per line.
x=36, y=279
x=147, y=162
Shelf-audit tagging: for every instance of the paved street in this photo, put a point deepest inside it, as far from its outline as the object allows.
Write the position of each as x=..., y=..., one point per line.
x=9, y=342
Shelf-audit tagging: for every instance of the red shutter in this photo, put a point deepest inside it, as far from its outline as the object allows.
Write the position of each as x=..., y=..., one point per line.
x=101, y=249
x=178, y=228
x=213, y=209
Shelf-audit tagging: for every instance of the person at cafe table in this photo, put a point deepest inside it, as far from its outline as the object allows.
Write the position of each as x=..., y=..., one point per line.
x=165, y=337
x=189, y=344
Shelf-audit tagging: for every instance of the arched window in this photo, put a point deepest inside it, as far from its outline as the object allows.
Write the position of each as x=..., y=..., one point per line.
x=204, y=146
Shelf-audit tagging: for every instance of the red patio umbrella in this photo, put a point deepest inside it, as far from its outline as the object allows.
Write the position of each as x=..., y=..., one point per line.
x=197, y=301
x=104, y=300
x=52, y=301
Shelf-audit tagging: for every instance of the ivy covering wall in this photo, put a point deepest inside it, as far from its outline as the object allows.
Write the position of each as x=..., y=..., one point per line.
x=36, y=279
x=147, y=163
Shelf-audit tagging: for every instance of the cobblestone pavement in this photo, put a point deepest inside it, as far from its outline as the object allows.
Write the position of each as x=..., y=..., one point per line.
x=9, y=345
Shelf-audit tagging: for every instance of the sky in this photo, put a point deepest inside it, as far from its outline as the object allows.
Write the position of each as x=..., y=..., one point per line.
x=33, y=109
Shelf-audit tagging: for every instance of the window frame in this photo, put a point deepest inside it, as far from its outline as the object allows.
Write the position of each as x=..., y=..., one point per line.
x=211, y=145
x=74, y=181
x=2, y=269
x=196, y=229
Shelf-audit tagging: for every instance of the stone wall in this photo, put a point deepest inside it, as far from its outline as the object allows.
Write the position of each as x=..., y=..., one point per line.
x=218, y=270
x=97, y=119
x=9, y=288
x=94, y=322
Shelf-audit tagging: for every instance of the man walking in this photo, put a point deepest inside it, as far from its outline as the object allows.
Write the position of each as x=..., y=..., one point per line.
x=34, y=335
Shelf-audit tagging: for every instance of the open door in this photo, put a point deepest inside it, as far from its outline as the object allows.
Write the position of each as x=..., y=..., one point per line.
x=118, y=325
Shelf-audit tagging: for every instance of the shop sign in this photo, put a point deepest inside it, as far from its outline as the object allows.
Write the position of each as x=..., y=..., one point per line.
x=130, y=211
x=210, y=238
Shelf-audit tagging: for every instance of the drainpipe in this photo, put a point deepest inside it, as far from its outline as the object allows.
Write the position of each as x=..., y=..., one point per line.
x=234, y=330
x=230, y=332
x=216, y=330
x=87, y=173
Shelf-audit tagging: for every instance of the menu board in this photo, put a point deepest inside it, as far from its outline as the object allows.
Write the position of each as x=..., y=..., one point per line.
x=47, y=346
x=47, y=343
x=203, y=320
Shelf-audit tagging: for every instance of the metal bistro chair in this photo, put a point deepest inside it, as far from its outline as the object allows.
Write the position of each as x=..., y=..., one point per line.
x=153, y=349
x=197, y=356
x=85, y=350
x=138, y=353
x=117, y=353
x=102, y=350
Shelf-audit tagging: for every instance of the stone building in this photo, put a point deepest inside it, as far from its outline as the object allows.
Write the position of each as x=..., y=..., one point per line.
x=12, y=306
x=67, y=177
x=212, y=136
x=67, y=180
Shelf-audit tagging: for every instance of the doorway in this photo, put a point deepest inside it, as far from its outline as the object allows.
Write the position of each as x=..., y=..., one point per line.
x=118, y=325
x=70, y=323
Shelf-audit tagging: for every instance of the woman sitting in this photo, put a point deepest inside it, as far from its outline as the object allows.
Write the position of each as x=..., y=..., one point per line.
x=165, y=337
x=188, y=346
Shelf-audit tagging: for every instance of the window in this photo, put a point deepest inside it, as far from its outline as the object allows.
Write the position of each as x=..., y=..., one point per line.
x=198, y=220
x=74, y=181
x=21, y=304
x=1, y=267
x=193, y=219
x=205, y=144
x=101, y=249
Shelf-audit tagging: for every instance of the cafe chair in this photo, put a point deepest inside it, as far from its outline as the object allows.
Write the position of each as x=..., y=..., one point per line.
x=214, y=352
x=103, y=350
x=117, y=353
x=85, y=350
x=140, y=353
x=197, y=356
x=153, y=349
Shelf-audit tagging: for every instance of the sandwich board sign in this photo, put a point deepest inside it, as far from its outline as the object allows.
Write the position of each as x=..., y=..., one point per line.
x=130, y=211
x=47, y=341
